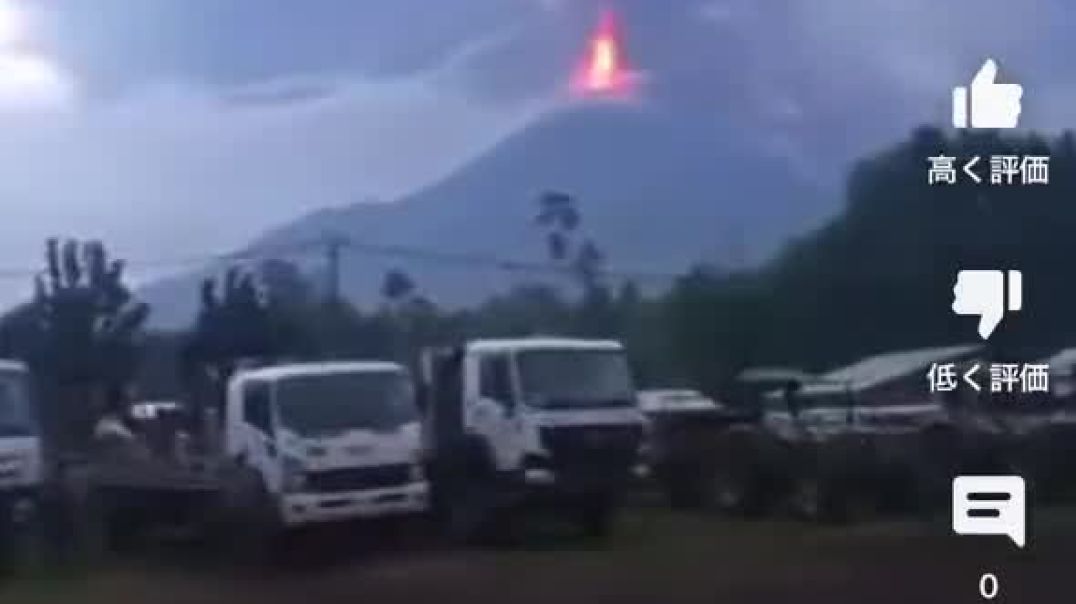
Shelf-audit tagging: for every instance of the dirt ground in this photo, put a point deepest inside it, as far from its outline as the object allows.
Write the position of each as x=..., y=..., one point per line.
x=656, y=556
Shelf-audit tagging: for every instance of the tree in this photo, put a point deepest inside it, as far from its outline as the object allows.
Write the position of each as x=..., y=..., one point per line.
x=81, y=335
x=558, y=215
x=522, y=311
x=715, y=323
x=879, y=276
x=397, y=287
x=589, y=265
x=233, y=324
x=285, y=285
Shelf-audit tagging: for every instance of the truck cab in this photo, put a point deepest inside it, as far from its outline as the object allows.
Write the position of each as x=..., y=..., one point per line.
x=328, y=441
x=21, y=466
x=511, y=422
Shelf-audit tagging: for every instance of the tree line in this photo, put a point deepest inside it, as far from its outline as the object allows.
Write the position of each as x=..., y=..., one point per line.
x=878, y=276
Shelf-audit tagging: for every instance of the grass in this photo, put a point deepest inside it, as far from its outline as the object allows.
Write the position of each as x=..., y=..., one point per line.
x=654, y=556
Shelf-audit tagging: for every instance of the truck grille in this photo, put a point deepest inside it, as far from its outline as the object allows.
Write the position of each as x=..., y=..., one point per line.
x=592, y=446
x=357, y=479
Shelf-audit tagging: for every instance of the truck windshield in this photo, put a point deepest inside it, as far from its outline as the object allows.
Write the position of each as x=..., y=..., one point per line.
x=16, y=418
x=316, y=405
x=575, y=378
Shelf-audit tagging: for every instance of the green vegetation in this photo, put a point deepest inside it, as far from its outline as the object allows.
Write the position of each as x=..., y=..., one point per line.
x=876, y=277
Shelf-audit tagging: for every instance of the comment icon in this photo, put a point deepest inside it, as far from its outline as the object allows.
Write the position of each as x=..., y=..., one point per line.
x=990, y=505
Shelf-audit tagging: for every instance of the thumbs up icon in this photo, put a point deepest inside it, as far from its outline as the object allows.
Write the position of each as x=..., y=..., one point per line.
x=992, y=105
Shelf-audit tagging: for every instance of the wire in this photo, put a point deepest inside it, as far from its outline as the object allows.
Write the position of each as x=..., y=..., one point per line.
x=351, y=246
x=495, y=262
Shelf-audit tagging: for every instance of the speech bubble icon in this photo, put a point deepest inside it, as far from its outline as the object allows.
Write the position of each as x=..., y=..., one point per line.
x=990, y=505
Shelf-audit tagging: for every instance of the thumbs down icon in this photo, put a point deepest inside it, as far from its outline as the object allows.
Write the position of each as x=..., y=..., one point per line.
x=983, y=293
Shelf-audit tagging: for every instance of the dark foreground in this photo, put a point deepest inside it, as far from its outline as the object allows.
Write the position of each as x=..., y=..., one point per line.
x=654, y=557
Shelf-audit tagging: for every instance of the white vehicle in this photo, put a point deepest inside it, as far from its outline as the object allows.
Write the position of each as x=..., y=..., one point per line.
x=675, y=400
x=20, y=448
x=329, y=441
x=683, y=427
x=517, y=422
x=867, y=433
x=299, y=444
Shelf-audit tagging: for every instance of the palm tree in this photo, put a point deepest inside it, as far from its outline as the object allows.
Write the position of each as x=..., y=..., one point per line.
x=557, y=213
x=397, y=286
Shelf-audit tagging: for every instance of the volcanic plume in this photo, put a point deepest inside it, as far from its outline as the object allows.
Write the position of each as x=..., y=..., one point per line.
x=603, y=71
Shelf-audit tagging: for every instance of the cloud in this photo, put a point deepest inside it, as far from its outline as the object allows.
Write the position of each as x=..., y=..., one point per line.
x=28, y=79
x=869, y=70
x=29, y=82
x=176, y=169
x=175, y=128
x=115, y=44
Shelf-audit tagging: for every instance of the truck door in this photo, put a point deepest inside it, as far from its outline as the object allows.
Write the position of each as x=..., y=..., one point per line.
x=258, y=445
x=494, y=413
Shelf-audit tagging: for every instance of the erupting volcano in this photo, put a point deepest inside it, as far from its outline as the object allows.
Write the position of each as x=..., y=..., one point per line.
x=603, y=71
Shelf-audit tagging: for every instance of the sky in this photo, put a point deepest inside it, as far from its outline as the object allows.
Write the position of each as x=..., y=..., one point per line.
x=176, y=128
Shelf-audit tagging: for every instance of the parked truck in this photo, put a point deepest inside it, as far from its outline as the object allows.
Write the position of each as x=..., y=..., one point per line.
x=683, y=431
x=1040, y=428
x=298, y=444
x=870, y=434
x=519, y=424
x=21, y=467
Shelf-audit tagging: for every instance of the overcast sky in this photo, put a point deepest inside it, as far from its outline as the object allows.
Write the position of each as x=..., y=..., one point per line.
x=172, y=128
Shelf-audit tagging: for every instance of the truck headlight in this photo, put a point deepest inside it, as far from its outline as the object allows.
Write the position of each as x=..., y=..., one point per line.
x=293, y=475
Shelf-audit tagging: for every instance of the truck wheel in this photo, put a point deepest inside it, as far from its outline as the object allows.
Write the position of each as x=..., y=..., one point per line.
x=7, y=540
x=684, y=488
x=735, y=493
x=815, y=499
x=253, y=525
x=107, y=526
x=124, y=526
x=738, y=482
x=596, y=519
x=470, y=519
x=939, y=460
x=20, y=538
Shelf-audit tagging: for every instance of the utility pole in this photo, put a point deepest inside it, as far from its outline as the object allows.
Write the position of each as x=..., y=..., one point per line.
x=333, y=244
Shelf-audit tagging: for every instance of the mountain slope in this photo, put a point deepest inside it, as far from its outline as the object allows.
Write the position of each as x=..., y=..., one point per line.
x=657, y=191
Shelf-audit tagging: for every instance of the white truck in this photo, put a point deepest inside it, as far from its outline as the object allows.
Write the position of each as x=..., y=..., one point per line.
x=21, y=468
x=299, y=444
x=531, y=422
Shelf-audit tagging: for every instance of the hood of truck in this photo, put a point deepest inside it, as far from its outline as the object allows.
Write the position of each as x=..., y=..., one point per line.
x=20, y=462
x=354, y=448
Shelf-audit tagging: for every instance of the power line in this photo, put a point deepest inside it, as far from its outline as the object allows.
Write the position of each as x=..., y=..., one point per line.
x=331, y=247
x=496, y=262
x=250, y=254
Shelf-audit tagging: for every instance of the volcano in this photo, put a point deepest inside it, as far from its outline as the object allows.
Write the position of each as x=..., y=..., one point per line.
x=603, y=71
x=658, y=190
